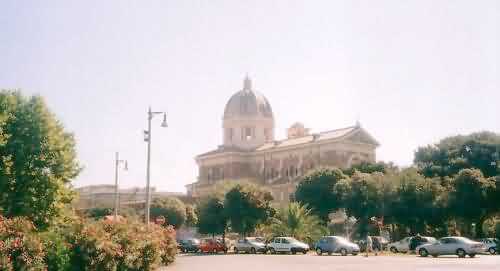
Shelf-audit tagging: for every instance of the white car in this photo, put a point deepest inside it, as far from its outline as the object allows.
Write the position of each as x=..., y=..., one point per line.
x=287, y=244
x=459, y=246
x=404, y=245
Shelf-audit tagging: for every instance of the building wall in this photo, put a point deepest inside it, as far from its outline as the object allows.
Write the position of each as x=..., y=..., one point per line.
x=278, y=169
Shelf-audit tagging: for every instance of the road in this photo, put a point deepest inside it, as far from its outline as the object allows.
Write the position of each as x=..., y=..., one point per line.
x=312, y=262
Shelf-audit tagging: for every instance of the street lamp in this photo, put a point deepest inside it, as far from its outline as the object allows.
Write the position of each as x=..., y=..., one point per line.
x=125, y=167
x=147, y=138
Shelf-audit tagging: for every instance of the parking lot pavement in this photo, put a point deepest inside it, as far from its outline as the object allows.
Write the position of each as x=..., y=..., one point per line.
x=312, y=262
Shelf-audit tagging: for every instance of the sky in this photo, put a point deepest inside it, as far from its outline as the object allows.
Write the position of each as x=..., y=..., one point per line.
x=412, y=72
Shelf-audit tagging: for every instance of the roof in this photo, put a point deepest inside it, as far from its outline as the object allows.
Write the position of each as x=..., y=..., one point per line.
x=322, y=136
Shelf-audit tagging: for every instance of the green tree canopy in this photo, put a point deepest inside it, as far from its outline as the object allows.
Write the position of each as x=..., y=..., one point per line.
x=362, y=198
x=452, y=154
x=211, y=217
x=316, y=190
x=298, y=221
x=37, y=160
x=418, y=202
x=366, y=167
x=246, y=206
x=473, y=198
x=171, y=208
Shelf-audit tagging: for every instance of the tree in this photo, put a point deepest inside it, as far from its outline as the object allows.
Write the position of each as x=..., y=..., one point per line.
x=246, y=206
x=172, y=209
x=419, y=202
x=191, y=217
x=316, y=190
x=211, y=217
x=366, y=167
x=452, y=154
x=472, y=198
x=362, y=198
x=298, y=221
x=37, y=160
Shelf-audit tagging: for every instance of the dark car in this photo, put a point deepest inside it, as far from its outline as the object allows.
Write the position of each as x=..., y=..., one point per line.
x=189, y=245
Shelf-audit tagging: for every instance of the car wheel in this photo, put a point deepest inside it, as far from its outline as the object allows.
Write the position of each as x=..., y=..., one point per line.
x=272, y=251
x=319, y=251
x=236, y=250
x=343, y=252
x=304, y=252
x=460, y=253
x=472, y=255
x=293, y=251
x=394, y=250
x=354, y=254
x=423, y=252
x=252, y=250
x=492, y=251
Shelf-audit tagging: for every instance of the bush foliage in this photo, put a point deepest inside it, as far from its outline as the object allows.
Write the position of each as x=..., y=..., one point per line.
x=101, y=245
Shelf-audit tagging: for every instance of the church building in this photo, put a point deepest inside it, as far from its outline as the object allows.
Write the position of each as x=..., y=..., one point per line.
x=250, y=152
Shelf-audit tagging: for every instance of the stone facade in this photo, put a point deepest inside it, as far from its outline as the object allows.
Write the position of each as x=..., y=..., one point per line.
x=277, y=165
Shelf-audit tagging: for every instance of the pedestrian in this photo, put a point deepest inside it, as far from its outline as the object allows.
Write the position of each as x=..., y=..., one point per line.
x=369, y=244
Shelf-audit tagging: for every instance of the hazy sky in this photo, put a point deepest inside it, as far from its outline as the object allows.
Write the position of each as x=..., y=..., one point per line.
x=413, y=71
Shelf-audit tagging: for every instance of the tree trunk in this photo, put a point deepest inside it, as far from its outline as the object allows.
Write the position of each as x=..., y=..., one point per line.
x=479, y=227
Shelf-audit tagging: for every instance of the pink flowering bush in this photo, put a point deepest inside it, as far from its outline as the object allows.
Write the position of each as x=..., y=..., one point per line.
x=20, y=247
x=108, y=245
x=83, y=245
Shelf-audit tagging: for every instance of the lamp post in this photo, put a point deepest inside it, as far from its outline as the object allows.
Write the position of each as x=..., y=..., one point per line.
x=117, y=165
x=147, y=138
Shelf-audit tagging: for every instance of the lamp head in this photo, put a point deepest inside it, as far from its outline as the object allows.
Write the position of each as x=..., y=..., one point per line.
x=164, y=122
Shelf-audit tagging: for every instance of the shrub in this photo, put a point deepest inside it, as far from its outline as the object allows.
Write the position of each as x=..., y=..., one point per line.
x=57, y=251
x=20, y=247
x=108, y=245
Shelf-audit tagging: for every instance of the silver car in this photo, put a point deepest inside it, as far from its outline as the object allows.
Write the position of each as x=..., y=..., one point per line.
x=336, y=244
x=490, y=244
x=250, y=245
x=459, y=246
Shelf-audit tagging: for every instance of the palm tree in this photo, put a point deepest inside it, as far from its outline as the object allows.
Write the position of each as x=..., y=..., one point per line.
x=297, y=221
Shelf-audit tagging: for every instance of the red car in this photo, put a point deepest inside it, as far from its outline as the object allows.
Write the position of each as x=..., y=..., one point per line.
x=212, y=246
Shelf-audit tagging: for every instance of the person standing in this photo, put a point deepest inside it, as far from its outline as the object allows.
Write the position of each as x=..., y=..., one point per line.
x=369, y=244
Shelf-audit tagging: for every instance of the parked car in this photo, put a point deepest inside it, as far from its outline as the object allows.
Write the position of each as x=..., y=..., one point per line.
x=287, y=244
x=212, y=246
x=250, y=245
x=491, y=245
x=336, y=244
x=188, y=245
x=404, y=245
x=459, y=246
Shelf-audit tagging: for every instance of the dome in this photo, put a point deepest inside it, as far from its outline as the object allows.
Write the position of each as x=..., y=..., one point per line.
x=248, y=103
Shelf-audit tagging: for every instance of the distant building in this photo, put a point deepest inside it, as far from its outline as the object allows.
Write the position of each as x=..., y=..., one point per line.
x=103, y=196
x=249, y=151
